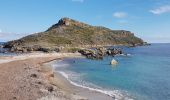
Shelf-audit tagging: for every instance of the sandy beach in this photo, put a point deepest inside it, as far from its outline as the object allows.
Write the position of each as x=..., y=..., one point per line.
x=30, y=77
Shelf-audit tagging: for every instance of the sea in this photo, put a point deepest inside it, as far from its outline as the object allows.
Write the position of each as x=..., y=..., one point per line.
x=4, y=52
x=142, y=74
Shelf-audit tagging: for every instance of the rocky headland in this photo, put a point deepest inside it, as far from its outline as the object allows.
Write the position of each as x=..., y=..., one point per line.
x=69, y=34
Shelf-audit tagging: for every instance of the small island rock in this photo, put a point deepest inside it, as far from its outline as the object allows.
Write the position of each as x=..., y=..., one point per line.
x=113, y=62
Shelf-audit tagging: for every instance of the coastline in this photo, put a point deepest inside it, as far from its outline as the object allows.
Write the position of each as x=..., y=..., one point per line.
x=30, y=76
x=83, y=93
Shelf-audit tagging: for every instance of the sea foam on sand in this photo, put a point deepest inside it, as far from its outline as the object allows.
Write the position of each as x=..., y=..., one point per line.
x=116, y=94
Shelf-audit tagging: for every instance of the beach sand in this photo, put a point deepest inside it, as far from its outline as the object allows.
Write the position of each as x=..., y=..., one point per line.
x=30, y=77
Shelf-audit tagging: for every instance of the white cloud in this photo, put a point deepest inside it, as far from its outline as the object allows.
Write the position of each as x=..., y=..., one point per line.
x=78, y=1
x=11, y=36
x=0, y=30
x=161, y=10
x=120, y=14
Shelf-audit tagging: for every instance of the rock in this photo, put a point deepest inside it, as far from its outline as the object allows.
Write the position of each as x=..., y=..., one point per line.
x=44, y=49
x=85, y=52
x=114, y=51
x=64, y=21
x=101, y=51
x=56, y=50
x=30, y=49
x=14, y=98
x=50, y=89
x=113, y=62
x=90, y=54
x=24, y=50
x=39, y=82
x=34, y=75
x=131, y=45
x=146, y=44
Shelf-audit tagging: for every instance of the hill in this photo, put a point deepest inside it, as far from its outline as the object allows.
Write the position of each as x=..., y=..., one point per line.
x=71, y=33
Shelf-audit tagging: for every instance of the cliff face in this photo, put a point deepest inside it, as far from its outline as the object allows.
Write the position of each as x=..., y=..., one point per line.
x=68, y=32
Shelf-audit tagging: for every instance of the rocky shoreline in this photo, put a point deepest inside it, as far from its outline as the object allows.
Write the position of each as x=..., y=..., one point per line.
x=91, y=52
x=99, y=53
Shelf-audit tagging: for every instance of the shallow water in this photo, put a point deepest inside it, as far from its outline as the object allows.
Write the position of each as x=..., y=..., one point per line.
x=143, y=75
x=4, y=52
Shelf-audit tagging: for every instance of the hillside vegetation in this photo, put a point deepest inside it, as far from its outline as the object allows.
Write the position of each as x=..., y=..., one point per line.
x=71, y=33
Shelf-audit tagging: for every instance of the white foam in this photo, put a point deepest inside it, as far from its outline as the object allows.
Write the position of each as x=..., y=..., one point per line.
x=115, y=94
x=59, y=63
x=125, y=55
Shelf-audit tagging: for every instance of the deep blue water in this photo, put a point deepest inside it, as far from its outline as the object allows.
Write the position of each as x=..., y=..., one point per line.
x=144, y=75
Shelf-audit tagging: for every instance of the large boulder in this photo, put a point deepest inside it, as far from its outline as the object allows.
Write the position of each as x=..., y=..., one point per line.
x=89, y=53
x=101, y=51
x=114, y=51
x=113, y=62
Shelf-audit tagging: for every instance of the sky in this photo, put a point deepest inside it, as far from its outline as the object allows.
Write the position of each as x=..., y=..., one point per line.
x=147, y=19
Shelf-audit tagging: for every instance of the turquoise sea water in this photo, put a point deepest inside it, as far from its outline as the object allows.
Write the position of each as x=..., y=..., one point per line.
x=143, y=75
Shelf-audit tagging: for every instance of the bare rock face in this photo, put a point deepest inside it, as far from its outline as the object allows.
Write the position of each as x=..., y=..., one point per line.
x=64, y=21
x=61, y=22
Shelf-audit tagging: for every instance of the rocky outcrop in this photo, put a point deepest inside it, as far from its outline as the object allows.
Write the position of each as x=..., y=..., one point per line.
x=19, y=49
x=114, y=51
x=48, y=50
x=28, y=49
x=99, y=53
x=61, y=22
x=90, y=54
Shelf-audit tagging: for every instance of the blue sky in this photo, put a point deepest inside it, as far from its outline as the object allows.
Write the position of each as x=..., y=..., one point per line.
x=148, y=19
